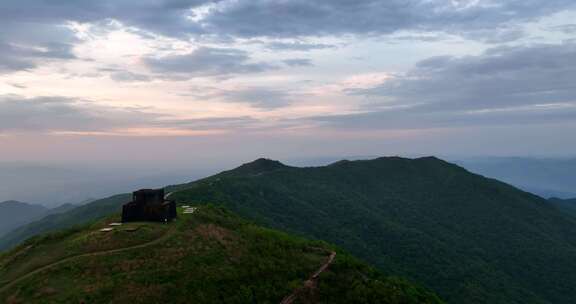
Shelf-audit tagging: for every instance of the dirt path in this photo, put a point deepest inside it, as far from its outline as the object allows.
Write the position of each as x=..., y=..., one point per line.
x=159, y=240
x=311, y=282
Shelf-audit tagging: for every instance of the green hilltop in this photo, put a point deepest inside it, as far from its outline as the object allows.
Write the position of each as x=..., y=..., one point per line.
x=210, y=256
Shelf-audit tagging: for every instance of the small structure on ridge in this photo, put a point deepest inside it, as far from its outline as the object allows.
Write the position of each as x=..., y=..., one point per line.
x=149, y=205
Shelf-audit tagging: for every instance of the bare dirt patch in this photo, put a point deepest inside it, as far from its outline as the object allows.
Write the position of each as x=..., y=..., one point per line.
x=211, y=231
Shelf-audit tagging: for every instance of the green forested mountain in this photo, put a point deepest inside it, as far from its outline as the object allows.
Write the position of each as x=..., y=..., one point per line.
x=469, y=238
x=565, y=205
x=210, y=256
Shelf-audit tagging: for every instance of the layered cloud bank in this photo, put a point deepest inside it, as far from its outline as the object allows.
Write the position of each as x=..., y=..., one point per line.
x=310, y=68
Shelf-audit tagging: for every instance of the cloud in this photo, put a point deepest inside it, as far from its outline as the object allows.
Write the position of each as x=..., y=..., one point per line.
x=495, y=36
x=45, y=114
x=35, y=32
x=206, y=61
x=285, y=19
x=564, y=28
x=502, y=86
x=30, y=25
x=298, y=62
x=15, y=58
x=11, y=62
x=26, y=43
x=410, y=119
x=213, y=123
x=259, y=97
x=304, y=18
x=126, y=76
x=297, y=46
x=119, y=74
x=500, y=77
x=53, y=114
x=167, y=17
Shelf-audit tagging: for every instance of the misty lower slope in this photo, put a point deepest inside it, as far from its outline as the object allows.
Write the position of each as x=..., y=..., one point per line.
x=53, y=222
x=211, y=256
x=545, y=177
x=471, y=239
x=14, y=214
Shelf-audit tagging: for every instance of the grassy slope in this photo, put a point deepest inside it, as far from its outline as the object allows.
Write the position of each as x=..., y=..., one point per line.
x=211, y=256
x=471, y=239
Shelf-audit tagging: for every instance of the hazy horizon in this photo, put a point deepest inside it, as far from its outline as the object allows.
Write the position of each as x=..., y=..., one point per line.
x=53, y=184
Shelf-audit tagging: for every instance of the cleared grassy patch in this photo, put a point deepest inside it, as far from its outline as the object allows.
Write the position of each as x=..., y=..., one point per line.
x=211, y=256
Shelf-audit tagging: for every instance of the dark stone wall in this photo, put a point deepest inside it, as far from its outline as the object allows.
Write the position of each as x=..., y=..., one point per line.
x=149, y=205
x=148, y=196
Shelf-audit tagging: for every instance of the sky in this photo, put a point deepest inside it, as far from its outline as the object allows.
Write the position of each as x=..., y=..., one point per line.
x=218, y=81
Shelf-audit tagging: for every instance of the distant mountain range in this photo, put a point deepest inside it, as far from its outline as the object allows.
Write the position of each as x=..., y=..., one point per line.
x=76, y=216
x=54, y=184
x=14, y=214
x=545, y=177
x=469, y=238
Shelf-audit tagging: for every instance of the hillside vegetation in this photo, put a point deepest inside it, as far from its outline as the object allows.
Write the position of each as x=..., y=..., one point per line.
x=211, y=256
x=469, y=238
x=565, y=205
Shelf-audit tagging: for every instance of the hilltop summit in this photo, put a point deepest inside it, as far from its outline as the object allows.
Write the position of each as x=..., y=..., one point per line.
x=424, y=218
x=259, y=166
x=207, y=256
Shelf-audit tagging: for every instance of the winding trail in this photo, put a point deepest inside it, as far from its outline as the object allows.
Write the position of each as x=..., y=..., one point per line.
x=159, y=240
x=311, y=282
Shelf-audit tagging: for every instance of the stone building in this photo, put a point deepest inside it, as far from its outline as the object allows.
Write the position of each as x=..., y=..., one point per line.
x=149, y=205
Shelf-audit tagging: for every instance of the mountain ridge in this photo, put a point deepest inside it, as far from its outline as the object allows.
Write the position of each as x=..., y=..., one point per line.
x=415, y=205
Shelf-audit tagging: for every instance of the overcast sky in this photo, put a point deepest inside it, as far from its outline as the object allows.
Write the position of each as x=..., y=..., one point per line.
x=211, y=80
